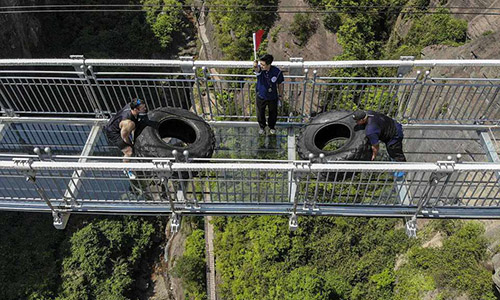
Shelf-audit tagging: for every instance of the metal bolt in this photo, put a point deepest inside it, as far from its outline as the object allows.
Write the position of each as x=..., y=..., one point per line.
x=37, y=151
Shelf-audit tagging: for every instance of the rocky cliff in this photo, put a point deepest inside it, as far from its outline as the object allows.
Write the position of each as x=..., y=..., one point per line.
x=19, y=33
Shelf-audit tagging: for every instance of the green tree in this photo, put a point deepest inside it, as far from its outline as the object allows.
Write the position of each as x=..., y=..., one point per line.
x=103, y=257
x=191, y=266
x=234, y=26
x=164, y=21
x=303, y=27
x=432, y=29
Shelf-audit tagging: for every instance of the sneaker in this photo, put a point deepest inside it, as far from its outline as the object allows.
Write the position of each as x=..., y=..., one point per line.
x=130, y=174
x=400, y=175
x=262, y=131
x=272, y=131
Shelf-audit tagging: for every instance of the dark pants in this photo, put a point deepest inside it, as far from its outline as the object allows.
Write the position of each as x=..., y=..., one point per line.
x=261, y=112
x=395, y=151
x=115, y=139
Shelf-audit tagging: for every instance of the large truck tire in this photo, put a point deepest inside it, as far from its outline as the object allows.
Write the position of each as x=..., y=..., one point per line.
x=336, y=135
x=166, y=129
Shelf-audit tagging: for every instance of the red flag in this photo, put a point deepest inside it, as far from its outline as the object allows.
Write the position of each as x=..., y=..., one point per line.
x=258, y=38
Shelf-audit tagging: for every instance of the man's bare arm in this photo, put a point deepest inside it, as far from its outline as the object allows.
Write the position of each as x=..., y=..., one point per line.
x=375, y=149
x=126, y=128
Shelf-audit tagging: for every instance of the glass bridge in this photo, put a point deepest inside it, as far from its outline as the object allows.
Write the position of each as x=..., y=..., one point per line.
x=54, y=157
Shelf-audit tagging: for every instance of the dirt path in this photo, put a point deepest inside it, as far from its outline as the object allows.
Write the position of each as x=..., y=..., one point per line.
x=209, y=243
x=167, y=287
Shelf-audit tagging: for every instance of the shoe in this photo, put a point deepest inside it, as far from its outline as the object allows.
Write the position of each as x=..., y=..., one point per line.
x=130, y=174
x=399, y=175
x=262, y=131
x=272, y=131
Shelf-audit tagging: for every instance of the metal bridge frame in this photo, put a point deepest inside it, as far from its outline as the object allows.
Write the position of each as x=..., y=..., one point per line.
x=299, y=186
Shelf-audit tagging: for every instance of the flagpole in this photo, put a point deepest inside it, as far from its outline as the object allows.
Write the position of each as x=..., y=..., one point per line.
x=254, y=46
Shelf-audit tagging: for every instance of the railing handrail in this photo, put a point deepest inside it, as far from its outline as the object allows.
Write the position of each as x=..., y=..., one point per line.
x=249, y=64
x=285, y=166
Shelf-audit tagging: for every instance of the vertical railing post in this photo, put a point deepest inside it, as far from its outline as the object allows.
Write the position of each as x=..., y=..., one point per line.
x=403, y=70
x=313, y=90
x=80, y=66
x=93, y=76
x=296, y=69
x=489, y=149
x=206, y=76
x=9, y=109
x=187, y=66
x=446, y=169
x=198, y=92
x=420, y=85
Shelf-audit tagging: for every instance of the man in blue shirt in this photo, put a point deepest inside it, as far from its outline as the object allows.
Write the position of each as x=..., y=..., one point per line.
x=380, y=127
x=269, y=91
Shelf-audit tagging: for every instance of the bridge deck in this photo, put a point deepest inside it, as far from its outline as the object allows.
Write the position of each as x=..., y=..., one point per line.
x=63, y=109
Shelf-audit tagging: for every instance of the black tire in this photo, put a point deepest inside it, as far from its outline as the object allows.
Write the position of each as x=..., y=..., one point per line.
x=334, y=127
x=191, y=132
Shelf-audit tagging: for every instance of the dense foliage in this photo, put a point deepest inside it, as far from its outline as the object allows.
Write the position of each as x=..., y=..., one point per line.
x=327, y=258
x=302, y=27
x=103, y=259
x=361, y=26
x=165, y=21
x=235, y=22
x=425, y=30
x=191, y=266
x=168, y=22
x=96, y=34
x=346, y=258
x=29, y=256
x=454, y=269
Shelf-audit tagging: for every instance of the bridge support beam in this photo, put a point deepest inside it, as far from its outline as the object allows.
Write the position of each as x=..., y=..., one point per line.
x=446, y=169
x=293, y=223
x=489, y=148
x=75, y=183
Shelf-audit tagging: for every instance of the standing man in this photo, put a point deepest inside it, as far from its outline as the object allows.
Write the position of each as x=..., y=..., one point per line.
x=120, y=128
x=269, y=91
x=380, y=127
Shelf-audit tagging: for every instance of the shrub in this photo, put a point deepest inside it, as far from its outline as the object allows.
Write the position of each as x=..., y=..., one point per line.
x=303, y=27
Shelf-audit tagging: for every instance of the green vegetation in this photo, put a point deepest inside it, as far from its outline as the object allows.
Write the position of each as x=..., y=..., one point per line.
x=360, y=34
x=346, y=258
x=303, y=27
x=191, y=267
x=274, y=33
x=327, y=258
x=454, y=268
x=433, y=29
x=104, y=259
x=234, y=28
x=97, y=35
x=29, y=256
x=165, y=22
x=487, y=32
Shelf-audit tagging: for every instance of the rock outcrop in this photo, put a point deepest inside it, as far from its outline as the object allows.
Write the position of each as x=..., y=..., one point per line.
x=19, y=33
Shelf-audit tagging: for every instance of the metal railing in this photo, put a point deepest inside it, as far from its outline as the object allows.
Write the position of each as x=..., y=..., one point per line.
x=99, y=185
x=92, y=87
x=60, y=106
